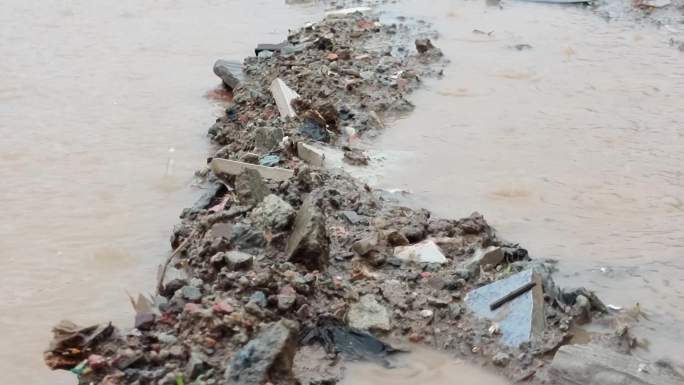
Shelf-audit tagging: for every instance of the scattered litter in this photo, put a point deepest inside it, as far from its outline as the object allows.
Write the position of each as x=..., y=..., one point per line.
x=269, y=160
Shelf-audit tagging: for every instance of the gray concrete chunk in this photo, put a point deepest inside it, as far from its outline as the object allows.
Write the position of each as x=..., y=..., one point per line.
x=233, y=167
x=521, y=319
x=283, y=96
x=368, y=314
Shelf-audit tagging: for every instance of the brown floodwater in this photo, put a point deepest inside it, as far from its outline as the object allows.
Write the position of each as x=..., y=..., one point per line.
x=572, y=148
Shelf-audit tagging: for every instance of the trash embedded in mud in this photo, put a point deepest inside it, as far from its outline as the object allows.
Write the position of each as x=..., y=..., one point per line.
x=337, y=338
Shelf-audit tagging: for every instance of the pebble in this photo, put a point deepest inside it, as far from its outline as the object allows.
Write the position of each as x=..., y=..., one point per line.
x=501, y=359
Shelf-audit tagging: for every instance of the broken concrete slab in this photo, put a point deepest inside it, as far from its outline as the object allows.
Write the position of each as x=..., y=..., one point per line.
x=283, y=96
x=309, y=243
x=521, y=319
x=224, y=69
x=594, y=365
x=368, y=314
x=233, y=167
x=426, y=251
x=310, y=154
x=266, y=358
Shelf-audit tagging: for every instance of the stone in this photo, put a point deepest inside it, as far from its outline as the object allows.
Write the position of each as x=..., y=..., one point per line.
x=310, y=154
x=273, y=213
x=423, y=45
x=191, y=293
x=222, y=307
x=581, y=310
x=594, y=365
x=395, y=238
x=233, y=167
x=283, y=96
x=266, y=358
x=309, y=243
x=238, y=260
x=259, y=298
x=501, y=359
x=364, y=246
x=286, y=298
x=413, y=233
x=246, y=237
x=368, y=314
x=224, y=69
x=426, y=251
x=353, y=218
x=250, y=188
x=267, y=138
x=426, y=313
x=196, y=365
x=520, y=320
x=492, y=255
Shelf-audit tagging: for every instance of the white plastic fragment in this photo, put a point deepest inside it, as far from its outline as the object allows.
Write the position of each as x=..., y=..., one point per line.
x=283, y=96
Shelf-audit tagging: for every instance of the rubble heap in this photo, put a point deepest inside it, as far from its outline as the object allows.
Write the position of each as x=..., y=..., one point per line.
x=283, y=261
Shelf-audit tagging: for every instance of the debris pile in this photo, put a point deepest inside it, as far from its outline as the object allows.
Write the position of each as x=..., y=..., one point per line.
x=284, y=261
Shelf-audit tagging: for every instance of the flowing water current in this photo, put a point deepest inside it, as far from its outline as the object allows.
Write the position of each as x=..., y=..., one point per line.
x=572, y=147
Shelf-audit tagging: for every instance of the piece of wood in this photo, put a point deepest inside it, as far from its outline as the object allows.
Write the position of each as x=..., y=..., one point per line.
x=233, y=167
x=595, y=365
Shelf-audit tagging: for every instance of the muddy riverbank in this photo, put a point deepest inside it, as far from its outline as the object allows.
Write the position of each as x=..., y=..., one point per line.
x=284, y=254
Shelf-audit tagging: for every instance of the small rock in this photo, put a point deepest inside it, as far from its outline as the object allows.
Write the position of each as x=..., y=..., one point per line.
x=259, y=298
x=492, y=255
x=191, y=293
x=237, y=260
x=267, y=138
x=309, y=243
x=395, y=238
x=268, y=356
x=455, y=311
x=286, y=298
x=250, y=187
x=413, y=233
x=365, y=245
x=144, y=320
x=196, y=364
x=353, y=218
x=96, y=361
x=222, y=307
x=426, y=313
x=368, y=314
x=501, y=359
x=355, y=157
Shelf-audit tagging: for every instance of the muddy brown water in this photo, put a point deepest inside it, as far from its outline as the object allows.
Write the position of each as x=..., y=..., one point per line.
x=572, y=148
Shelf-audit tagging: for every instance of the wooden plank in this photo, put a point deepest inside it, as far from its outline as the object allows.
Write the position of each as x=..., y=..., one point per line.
x=233, y=167
x=595, y=365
